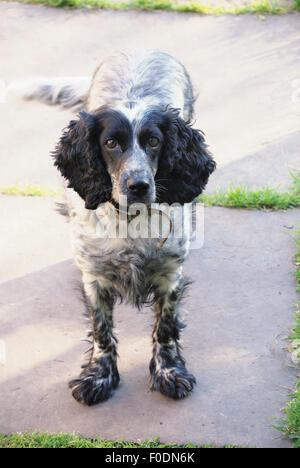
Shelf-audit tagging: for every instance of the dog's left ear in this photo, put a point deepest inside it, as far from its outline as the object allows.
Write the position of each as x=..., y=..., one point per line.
x=185, y=163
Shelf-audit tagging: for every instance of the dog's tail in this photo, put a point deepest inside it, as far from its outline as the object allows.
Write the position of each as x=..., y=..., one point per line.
x=67, y=92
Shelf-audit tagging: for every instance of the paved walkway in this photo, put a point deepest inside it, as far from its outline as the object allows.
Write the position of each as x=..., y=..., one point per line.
x=238, y=310
x=243, y=69
x=238, y=313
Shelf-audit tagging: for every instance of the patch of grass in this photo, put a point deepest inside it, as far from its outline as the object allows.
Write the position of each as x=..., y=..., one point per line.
x=290, y=427
x=265, y=198
x=242, y=197
x=49, y=440
x=235, y=197
x=297, y=4
x=30, y=190
x=252, y=7
x=274, y=7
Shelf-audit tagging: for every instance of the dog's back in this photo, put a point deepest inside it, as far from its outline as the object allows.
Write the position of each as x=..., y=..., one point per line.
x=148, y=77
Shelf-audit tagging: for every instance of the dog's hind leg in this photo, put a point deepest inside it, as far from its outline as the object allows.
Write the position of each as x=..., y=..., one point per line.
x=100, y=376
x=167, y=366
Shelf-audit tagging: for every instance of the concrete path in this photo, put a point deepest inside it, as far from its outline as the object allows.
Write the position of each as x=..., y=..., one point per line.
x=238, y=314
x=239, y=309
x=244, y=70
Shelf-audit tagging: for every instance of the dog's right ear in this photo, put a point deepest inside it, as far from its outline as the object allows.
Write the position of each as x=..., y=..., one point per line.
x=79, y=159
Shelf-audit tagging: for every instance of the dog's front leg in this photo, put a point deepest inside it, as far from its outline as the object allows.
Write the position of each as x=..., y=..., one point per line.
x=167, y=366
x=100, y=376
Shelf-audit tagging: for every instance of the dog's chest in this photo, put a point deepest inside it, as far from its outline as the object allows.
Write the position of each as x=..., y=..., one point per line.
x=132, y=270
x=133, y=267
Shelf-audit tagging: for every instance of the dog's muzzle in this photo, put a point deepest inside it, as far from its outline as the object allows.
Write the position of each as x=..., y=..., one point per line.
x=138, y=188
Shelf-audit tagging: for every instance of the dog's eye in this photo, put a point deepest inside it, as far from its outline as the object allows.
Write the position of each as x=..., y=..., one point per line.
x=111, y=143
x=153, y=141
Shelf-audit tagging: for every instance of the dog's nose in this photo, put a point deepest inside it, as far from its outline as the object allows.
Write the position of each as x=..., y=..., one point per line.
x=137, y=187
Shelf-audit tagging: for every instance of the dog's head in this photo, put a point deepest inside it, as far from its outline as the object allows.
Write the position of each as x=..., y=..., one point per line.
x=153, y=157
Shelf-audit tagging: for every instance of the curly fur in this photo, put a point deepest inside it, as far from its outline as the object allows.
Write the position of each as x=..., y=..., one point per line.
x=78, y=158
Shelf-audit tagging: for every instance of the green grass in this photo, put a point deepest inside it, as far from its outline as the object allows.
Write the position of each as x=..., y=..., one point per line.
x=30, y=190
x=297, y=5
x=49, y=440
x=274, y=7
x=290, y=426
x=265, y=198
x=235, y=197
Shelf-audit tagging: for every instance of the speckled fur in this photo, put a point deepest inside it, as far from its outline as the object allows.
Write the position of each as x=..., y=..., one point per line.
x=138, y=272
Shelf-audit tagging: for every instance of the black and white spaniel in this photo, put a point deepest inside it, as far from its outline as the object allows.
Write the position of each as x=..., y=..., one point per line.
x=132, y=140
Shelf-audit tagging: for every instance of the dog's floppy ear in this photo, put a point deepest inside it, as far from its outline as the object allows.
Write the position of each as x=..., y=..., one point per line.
x=185, y=163
x=78, y=157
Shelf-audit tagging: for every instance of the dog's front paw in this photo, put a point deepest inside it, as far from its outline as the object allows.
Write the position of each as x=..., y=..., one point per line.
x=95, y=385
x=173, y=382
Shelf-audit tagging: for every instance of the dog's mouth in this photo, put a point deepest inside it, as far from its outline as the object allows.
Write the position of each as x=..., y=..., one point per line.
x=147, y=200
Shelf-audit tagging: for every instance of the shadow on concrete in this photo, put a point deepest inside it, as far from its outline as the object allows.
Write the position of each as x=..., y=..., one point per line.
x=236, y=311
x=271, y=166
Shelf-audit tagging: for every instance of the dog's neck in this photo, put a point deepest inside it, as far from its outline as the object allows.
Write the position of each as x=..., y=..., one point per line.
x=151, y=210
